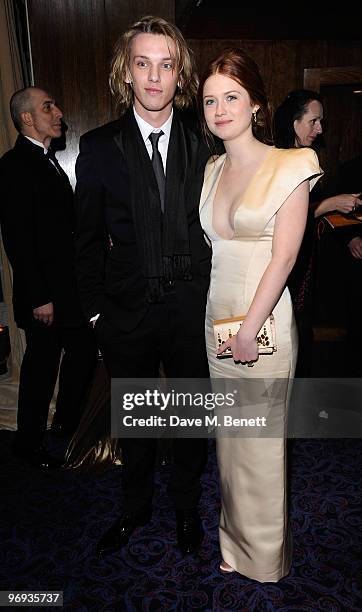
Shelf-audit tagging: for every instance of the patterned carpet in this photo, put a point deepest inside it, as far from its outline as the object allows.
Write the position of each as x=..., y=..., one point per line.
x=50, y=523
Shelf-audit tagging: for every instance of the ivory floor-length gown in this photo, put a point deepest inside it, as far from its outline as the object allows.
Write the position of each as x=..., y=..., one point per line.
x=254, y=532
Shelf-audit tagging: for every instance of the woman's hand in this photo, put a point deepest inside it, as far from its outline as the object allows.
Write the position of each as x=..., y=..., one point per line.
x=244, y=348
x=343, y=203
x=347, y=202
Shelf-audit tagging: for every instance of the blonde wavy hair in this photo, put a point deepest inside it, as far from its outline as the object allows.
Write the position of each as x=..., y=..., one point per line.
x=188, y=80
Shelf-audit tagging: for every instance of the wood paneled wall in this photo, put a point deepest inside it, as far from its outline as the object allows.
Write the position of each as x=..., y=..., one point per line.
x=282, y=62
x=72, y=42
x=72, y=45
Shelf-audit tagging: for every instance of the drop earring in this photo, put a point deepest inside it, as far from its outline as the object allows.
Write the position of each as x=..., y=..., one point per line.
x=254, y=117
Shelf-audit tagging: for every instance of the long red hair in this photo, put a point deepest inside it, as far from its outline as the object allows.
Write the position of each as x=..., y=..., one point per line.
x=236, y=64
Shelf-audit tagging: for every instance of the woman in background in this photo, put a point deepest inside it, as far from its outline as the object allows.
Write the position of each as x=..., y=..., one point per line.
x=298, y=122
x=253, y=209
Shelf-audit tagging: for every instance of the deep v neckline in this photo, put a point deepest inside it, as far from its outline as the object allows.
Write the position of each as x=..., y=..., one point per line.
x=216, y=186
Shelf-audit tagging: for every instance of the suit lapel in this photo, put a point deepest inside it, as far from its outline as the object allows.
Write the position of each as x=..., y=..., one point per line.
x=34, y=155
x=177, y=162
x=183, y=162
x=25, y=147
x=118, y=139
x=127, y=127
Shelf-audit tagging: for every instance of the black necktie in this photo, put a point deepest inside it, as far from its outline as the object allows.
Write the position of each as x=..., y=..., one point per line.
x=158, y=166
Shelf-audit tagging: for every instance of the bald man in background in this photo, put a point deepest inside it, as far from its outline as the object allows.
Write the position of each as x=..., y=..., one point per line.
x=36, y=217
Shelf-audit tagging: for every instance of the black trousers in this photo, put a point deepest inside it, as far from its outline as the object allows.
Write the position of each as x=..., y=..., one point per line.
x=38, y=375
x=304, y=322
x=160, y=337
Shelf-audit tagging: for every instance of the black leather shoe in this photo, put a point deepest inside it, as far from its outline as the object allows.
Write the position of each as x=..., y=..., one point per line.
x=190, y=532
x=38, y=457
x=62, y=430
x=119, y=534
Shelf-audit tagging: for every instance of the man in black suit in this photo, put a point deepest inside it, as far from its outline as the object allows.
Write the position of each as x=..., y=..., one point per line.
x=143, y=263
x=37, y=219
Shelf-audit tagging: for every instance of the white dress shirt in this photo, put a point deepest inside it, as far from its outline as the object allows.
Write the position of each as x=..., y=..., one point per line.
x=37, y=143
x=146, y=129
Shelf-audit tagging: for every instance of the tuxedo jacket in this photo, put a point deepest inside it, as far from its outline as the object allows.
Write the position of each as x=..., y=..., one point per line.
x=37, y=224
x=110, y=272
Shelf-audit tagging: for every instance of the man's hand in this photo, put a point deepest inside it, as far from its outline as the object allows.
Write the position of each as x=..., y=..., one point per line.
x=44, y=314
x=355, y=247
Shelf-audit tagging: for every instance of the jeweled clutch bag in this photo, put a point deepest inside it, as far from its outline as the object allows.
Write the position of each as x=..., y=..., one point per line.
x=226, y=328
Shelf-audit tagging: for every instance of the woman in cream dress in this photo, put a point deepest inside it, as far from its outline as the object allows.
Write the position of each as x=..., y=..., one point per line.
x=253, y=209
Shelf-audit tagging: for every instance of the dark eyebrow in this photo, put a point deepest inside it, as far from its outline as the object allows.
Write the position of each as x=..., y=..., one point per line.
x=163, y=59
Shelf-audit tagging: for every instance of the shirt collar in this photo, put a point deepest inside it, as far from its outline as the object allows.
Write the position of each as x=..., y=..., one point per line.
x=37, y=143
x=146, y=128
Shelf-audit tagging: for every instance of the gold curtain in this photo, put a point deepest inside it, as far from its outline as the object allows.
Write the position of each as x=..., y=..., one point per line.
x=10, y=81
